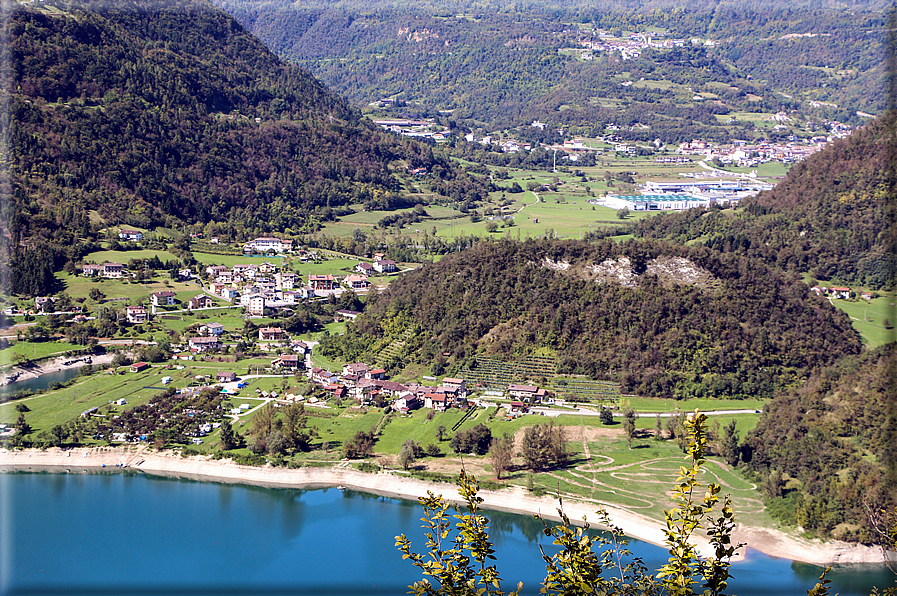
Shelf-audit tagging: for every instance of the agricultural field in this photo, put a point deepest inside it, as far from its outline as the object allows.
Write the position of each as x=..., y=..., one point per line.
x=130, y=292
x=874, y=319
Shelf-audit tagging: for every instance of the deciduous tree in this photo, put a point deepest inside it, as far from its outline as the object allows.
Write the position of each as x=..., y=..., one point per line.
x=502, y=454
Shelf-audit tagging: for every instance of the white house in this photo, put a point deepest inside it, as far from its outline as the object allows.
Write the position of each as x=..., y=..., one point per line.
x=136, y=314
x=385, y=266
x=130, y=235
x=265, y=245
x=165, y=298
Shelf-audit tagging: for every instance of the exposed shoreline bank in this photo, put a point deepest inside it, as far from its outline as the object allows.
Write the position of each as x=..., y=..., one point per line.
x=53, y=365
x=515, y=500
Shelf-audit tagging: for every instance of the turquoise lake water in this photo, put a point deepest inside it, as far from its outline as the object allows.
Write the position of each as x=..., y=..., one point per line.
x=42, y=382
x=129, y=533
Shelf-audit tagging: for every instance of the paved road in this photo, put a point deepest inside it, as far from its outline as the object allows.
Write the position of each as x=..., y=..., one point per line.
x=589, y=412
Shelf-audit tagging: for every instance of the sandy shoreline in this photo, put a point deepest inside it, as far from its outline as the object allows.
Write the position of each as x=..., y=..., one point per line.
x=516, y=500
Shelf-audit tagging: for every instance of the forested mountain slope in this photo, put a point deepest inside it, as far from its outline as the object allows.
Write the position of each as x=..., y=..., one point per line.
x=504, y=66
x=827, y=450
x=832, y=215
x=161, y=113
x=663, y=320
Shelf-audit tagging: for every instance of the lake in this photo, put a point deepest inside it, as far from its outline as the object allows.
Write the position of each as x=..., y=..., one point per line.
x=42, y=382
x=121, y=532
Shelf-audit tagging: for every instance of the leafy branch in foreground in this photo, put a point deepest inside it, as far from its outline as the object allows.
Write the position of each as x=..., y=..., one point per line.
x=459, y=564
x=577, y=570
x=460, y=569
x=683, y=521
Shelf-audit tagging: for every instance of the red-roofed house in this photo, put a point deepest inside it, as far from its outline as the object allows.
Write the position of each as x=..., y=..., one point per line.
x=131, y=235
x=271, y=334
x=435, y=401
x=377, y=373
x=136, y=314
x=357, y=282
x=321, y=282
x=288, y=361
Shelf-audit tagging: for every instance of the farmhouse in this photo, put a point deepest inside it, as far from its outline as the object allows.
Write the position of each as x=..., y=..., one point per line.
x=435, y=401
x=357, y=282
x=407, y=402
x=457, y=384
x=201, y=301
x=839, y=292
x=113, y=270
x=527, y=393
x=130, y=235
x=225, y=376
x=357, y=368
x=139, y=366
x=215, y=329
x=322, y=376
x=92, y=270
x=42, y=303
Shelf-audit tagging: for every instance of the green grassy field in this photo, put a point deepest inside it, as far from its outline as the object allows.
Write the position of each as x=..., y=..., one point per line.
x=36, y=350
x=565, y=213
x=78, y=286
x=869, y=318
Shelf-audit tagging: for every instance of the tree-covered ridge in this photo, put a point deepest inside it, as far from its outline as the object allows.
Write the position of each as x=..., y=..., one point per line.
x=502, y=68
x=832, y=215
x=167, y=113
x=750, y=331
x=827, y=450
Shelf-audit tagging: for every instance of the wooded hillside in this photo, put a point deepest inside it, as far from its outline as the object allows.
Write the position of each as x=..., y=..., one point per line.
x=504, y=67
x=827, y=450
x=832, y=215
x=162, y=114
x=663, y=320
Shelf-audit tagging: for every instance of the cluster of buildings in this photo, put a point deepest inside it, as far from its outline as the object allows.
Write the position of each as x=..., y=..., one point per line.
x=266, y=286
x=841, y=292
x=684, y=194
x=633, y=46
x=367, y=385
x=421, y=129
x=744, y=154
